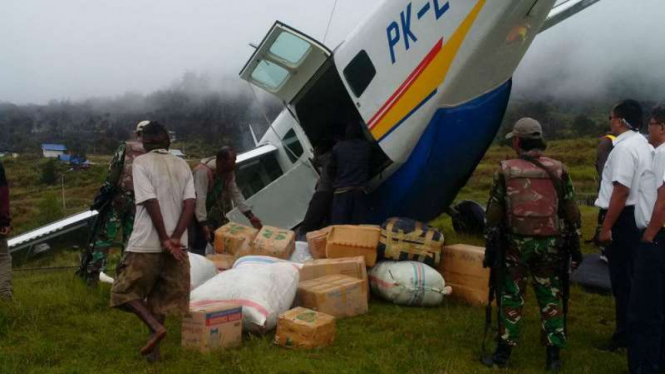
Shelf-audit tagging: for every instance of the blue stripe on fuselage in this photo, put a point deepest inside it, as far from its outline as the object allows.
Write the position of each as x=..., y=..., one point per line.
x=443, y=160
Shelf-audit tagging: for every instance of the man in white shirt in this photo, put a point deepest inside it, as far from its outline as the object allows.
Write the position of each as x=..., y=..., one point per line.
x=618, y=195
x=153, y=277
x=646, y=316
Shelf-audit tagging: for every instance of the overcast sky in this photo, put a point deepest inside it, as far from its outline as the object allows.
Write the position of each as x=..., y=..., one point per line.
x=74, y=49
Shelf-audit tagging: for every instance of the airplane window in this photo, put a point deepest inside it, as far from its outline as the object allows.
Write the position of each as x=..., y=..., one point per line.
x=290, y=48
x=270, y=75
x=359, y=73
x=254, y=175
x=291, y=142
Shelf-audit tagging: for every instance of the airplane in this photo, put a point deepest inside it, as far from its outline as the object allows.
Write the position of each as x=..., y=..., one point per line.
x=427, y=80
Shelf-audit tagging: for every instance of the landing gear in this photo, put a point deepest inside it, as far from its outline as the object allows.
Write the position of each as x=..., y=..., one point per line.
x=468, y=217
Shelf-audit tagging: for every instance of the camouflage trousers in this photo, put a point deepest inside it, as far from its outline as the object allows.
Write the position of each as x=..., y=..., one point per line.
x=539, y=257
x=120, y=217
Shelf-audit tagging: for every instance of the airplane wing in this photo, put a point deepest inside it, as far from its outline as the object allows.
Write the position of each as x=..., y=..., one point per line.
x=564, y=9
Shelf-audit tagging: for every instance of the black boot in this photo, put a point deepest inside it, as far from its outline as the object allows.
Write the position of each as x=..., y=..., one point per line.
x=553, y=360
x=499, y=358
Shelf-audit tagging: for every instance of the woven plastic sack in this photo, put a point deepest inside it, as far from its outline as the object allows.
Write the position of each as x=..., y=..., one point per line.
x=263, y=290
x=200, y=270
x=408, y=283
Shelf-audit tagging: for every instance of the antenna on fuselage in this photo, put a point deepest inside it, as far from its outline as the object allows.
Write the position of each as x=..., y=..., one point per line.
x=332, y=13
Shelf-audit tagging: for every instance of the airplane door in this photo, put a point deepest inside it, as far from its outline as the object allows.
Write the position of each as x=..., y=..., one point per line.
x=284, y=62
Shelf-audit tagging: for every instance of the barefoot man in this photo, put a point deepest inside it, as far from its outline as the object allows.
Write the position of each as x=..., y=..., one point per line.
x=153, y=277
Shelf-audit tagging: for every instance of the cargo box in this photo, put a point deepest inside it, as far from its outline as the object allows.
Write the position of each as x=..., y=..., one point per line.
x=350, y=266
x=462, y=268
x=317, y=242
x=273, y=242
x=337, y=295
x=232, y=237
x=212, y=327
x=350, y=241
x=305, y=329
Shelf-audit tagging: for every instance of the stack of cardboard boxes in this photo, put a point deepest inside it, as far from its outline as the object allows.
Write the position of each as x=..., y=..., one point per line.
x=334, y=285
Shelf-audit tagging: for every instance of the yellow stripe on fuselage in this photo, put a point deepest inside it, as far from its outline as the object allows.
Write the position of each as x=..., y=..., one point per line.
x=431, y=78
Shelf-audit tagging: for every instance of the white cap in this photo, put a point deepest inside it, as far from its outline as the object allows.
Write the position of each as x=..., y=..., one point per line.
x=141, y=125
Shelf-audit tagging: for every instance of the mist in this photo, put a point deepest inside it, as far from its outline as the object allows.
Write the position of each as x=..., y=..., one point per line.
x=77, y=49
x=612, y=50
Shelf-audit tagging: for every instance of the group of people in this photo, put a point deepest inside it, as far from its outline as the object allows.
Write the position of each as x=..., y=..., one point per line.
x=533, y=203
x=340, y=193
x=165, y=209
x=632, y=201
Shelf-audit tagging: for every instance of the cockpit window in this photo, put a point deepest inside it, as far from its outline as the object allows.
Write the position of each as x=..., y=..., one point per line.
x=359, y=73
x=294, y=148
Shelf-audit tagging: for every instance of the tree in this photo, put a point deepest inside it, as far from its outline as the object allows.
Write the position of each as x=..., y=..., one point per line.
x=584, y=126
x=48, y=173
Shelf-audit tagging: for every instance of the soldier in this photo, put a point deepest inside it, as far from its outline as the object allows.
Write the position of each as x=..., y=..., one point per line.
x=216, y=190
x=115, y=202
x=533, y=202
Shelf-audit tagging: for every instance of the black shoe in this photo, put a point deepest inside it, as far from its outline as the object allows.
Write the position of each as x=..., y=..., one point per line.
x=553, y=360
x=499, y=358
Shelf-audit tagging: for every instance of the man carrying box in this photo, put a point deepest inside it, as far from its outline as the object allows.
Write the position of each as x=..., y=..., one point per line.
x=216, y=189
x=153, y=276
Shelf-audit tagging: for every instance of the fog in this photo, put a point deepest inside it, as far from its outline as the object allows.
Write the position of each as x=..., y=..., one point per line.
x=76, y=49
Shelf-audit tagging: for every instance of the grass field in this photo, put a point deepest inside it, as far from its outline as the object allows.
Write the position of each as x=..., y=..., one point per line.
x=57, y=325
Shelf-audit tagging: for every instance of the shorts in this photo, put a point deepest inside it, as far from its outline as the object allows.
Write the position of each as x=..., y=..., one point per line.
x=157, y=278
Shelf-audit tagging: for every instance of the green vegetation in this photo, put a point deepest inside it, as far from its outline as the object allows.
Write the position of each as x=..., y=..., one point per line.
x=58, y=325
x=35, y=202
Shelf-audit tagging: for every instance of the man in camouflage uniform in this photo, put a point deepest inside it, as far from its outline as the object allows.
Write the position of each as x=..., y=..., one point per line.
x=118, y=190
x=533, y=210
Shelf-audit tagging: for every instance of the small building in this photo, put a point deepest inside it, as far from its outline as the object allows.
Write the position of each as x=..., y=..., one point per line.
x=75, y=161
x=178, y=153
x=53, y=150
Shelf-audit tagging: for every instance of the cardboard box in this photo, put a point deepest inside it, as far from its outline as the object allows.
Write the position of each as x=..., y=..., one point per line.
x=337, y=295
x=350, y=266
x=305, y=328
x=316, y=240
x=223, y=261
x=462, y=268
x=350, y=241
x=274, y=242
x=212, y=327
x=232, y=237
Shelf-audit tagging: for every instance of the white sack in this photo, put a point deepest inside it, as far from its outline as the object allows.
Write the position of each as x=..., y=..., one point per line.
x=301, y=254
x=264, y=292
x=200, y=270
x=408, y=283
x=249, y=261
